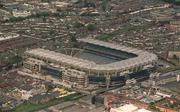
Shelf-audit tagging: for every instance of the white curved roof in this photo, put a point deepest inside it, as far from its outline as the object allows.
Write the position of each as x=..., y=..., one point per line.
x=142, y=58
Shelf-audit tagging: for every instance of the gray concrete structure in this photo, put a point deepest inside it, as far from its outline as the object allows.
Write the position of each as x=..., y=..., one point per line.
x=91, y=68
x=143, y=58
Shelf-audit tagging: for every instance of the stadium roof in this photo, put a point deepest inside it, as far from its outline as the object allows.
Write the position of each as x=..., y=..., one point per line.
x=112, y=46
x=142, y=58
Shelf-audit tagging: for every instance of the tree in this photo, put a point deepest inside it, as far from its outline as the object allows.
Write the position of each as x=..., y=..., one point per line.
x=91, y=27
x=16, y=59
x=104, y=37
x=104, y=5
x=73, y=38
x=49, y=87
x=152, y=106
x=89, y=3
x=177, y=2
x=48, y=1
x=1, y=5
x=56, y=14
x=78, y=24
x=51, y=32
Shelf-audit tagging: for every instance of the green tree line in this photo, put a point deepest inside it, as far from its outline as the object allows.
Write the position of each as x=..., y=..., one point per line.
x=177, y=2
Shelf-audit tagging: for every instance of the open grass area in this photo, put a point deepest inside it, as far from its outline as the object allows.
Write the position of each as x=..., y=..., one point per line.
x=175, y=61
x=104, y=37
x=28, y=107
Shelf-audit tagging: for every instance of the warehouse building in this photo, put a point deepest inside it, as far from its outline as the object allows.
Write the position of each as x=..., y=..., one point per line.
x=96, y=62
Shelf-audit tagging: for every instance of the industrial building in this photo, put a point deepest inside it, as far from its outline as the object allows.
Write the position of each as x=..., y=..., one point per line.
x=93, y=62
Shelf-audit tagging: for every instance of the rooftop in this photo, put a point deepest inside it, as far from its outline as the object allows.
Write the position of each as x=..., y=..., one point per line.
x=128, y=108
x=7, y=36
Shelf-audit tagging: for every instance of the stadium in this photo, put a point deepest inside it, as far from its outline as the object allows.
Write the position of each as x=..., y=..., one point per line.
x=93, y=62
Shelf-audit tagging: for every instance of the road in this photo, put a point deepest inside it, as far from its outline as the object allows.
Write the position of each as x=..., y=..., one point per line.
x=148, y=9
x=73, y=107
